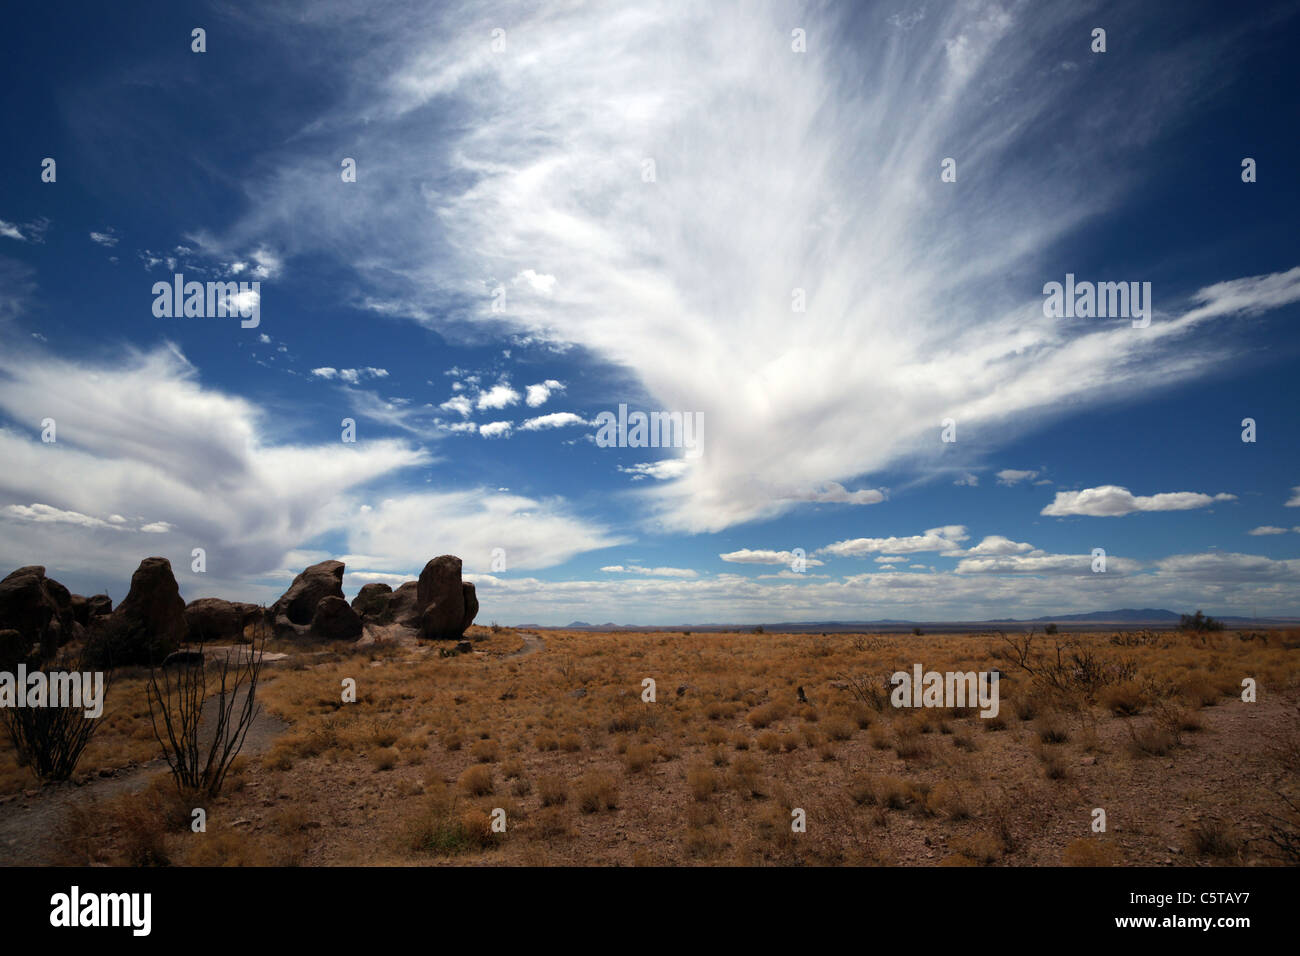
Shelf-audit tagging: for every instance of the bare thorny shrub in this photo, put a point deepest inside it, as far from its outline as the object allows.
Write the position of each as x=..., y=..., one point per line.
x=199, y=757
x=1282, y=824
x=1066, y=670
x=872, y=692
x=50, y=740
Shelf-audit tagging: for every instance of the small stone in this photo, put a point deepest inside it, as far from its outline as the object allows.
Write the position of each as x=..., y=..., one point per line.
x=1088, y=761
x=579, y=693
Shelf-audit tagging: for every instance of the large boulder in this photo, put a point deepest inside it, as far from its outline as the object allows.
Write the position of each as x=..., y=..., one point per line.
x=99, y=604
x=149, y=623
x=212, y=620
x=297, y=606
x=14, y=649
x=442, y=600
x=403, y=606
x=81, y=610
x=335, y=620
x=38, y=608
x=471, y=605
x=372, y=600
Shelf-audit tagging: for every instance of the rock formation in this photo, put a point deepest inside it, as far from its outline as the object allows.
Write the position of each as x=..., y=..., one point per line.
x=148, y=625
x=214, y=621
x=446, y=605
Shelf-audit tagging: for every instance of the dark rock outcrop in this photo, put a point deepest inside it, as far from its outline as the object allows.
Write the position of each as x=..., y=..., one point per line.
x=14, y=649
x=441, y=599
x=38, y=608
x=99, y=605
x=293, y=613
x=470, y=597
x=81, y=610
x=404, y=605
x=335, y=620
x=214, y=621
x=372, y=600
x=149, y=623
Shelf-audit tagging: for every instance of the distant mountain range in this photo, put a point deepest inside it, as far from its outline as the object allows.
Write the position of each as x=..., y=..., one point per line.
x=1127, y=616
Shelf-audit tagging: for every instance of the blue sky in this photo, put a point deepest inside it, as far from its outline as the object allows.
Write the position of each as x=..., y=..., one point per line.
x=504, y=268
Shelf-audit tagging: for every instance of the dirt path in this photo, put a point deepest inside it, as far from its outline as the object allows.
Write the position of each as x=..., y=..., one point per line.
x=28, y=823
x=532, y=644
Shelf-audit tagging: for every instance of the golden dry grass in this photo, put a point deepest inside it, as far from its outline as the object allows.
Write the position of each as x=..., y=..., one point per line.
x=435, y=745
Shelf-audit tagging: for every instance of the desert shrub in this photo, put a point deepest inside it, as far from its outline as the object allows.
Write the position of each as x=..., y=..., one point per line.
x=1199, y=623
x=1152, y=740
x=702, y=781
x=50, y=740
x=982, y=847
x=552, y=790
x=1216, y=839
x=1052, y=729
x=595, y=791
x=199, y=762
x=838, y=728
x=638, y=757
x=440, y=827
x=385, y=758
x=744, y=776
x=477, y=780
x=948, y=799
x=1090, y=851
x=1125, y=699
x=486, y=751
x=766, y=714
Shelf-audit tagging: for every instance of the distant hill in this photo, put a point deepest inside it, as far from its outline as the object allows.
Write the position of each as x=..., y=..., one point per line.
x=1127, y=617
x=1146, y=615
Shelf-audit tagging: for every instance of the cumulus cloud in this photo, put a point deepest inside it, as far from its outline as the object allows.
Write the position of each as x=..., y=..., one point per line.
x=1294, y=500
x=996, y=544
x=553, y=420
x=41, y=513
x=495, y=430
x=496, y=397
x=535, y=533
x=947, y=538
x=544, y=284
x=1266, y=529
x=748, y=556
x=459, y=404
x=143, y=429
x=539, y=393
x=1113, y=501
